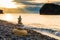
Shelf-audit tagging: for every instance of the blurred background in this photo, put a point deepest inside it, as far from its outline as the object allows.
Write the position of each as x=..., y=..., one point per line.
x=24, y=6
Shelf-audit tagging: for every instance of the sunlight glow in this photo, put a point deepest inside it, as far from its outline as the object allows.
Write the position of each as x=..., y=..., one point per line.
x=7, y=4
x=8, y=17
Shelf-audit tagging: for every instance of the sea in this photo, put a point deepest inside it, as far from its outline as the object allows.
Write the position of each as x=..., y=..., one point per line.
x=45, y=24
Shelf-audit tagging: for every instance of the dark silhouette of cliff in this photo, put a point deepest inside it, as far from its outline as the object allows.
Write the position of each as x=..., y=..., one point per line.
x=50, y=9
x=1, y=11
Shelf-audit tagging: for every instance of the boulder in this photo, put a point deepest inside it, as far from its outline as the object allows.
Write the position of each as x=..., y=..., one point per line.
x=1, y=11
x=50, y=9
x=57, y=33
x=18, y=32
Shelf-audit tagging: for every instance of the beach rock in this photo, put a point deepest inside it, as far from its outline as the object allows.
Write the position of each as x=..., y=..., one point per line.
x=57, y=33
x=1, y=11
x=50, y=9
x=20, y=32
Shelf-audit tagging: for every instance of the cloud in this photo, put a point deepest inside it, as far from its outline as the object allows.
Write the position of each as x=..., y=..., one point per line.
x=32, y=9
x=18, y=1
x=36, y=1
x=29, y=6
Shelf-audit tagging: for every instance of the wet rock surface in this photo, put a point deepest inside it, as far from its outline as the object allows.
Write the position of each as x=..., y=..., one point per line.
x=7, y=34
x=50, y=9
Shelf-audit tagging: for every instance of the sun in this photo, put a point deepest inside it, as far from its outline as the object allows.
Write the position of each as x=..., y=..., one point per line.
x=7, y=4
x=8, y=17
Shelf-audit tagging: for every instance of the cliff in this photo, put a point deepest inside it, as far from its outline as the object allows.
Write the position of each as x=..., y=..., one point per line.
x=50, y=9
x=1, y=11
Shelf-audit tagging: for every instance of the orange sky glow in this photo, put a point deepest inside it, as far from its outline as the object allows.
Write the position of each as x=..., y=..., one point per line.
x=11, y=4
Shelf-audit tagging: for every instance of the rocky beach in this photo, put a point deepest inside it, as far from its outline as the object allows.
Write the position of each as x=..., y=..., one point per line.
x=6, y=32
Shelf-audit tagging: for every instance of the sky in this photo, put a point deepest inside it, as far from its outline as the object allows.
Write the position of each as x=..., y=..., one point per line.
x=28, y=6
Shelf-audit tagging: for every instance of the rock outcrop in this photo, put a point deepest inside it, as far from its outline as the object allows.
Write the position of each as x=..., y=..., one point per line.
x=50, y=9
x=1, y=11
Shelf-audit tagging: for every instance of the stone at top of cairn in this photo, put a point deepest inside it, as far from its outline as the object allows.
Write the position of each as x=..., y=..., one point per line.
x=19, y=20
x=20, y=24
